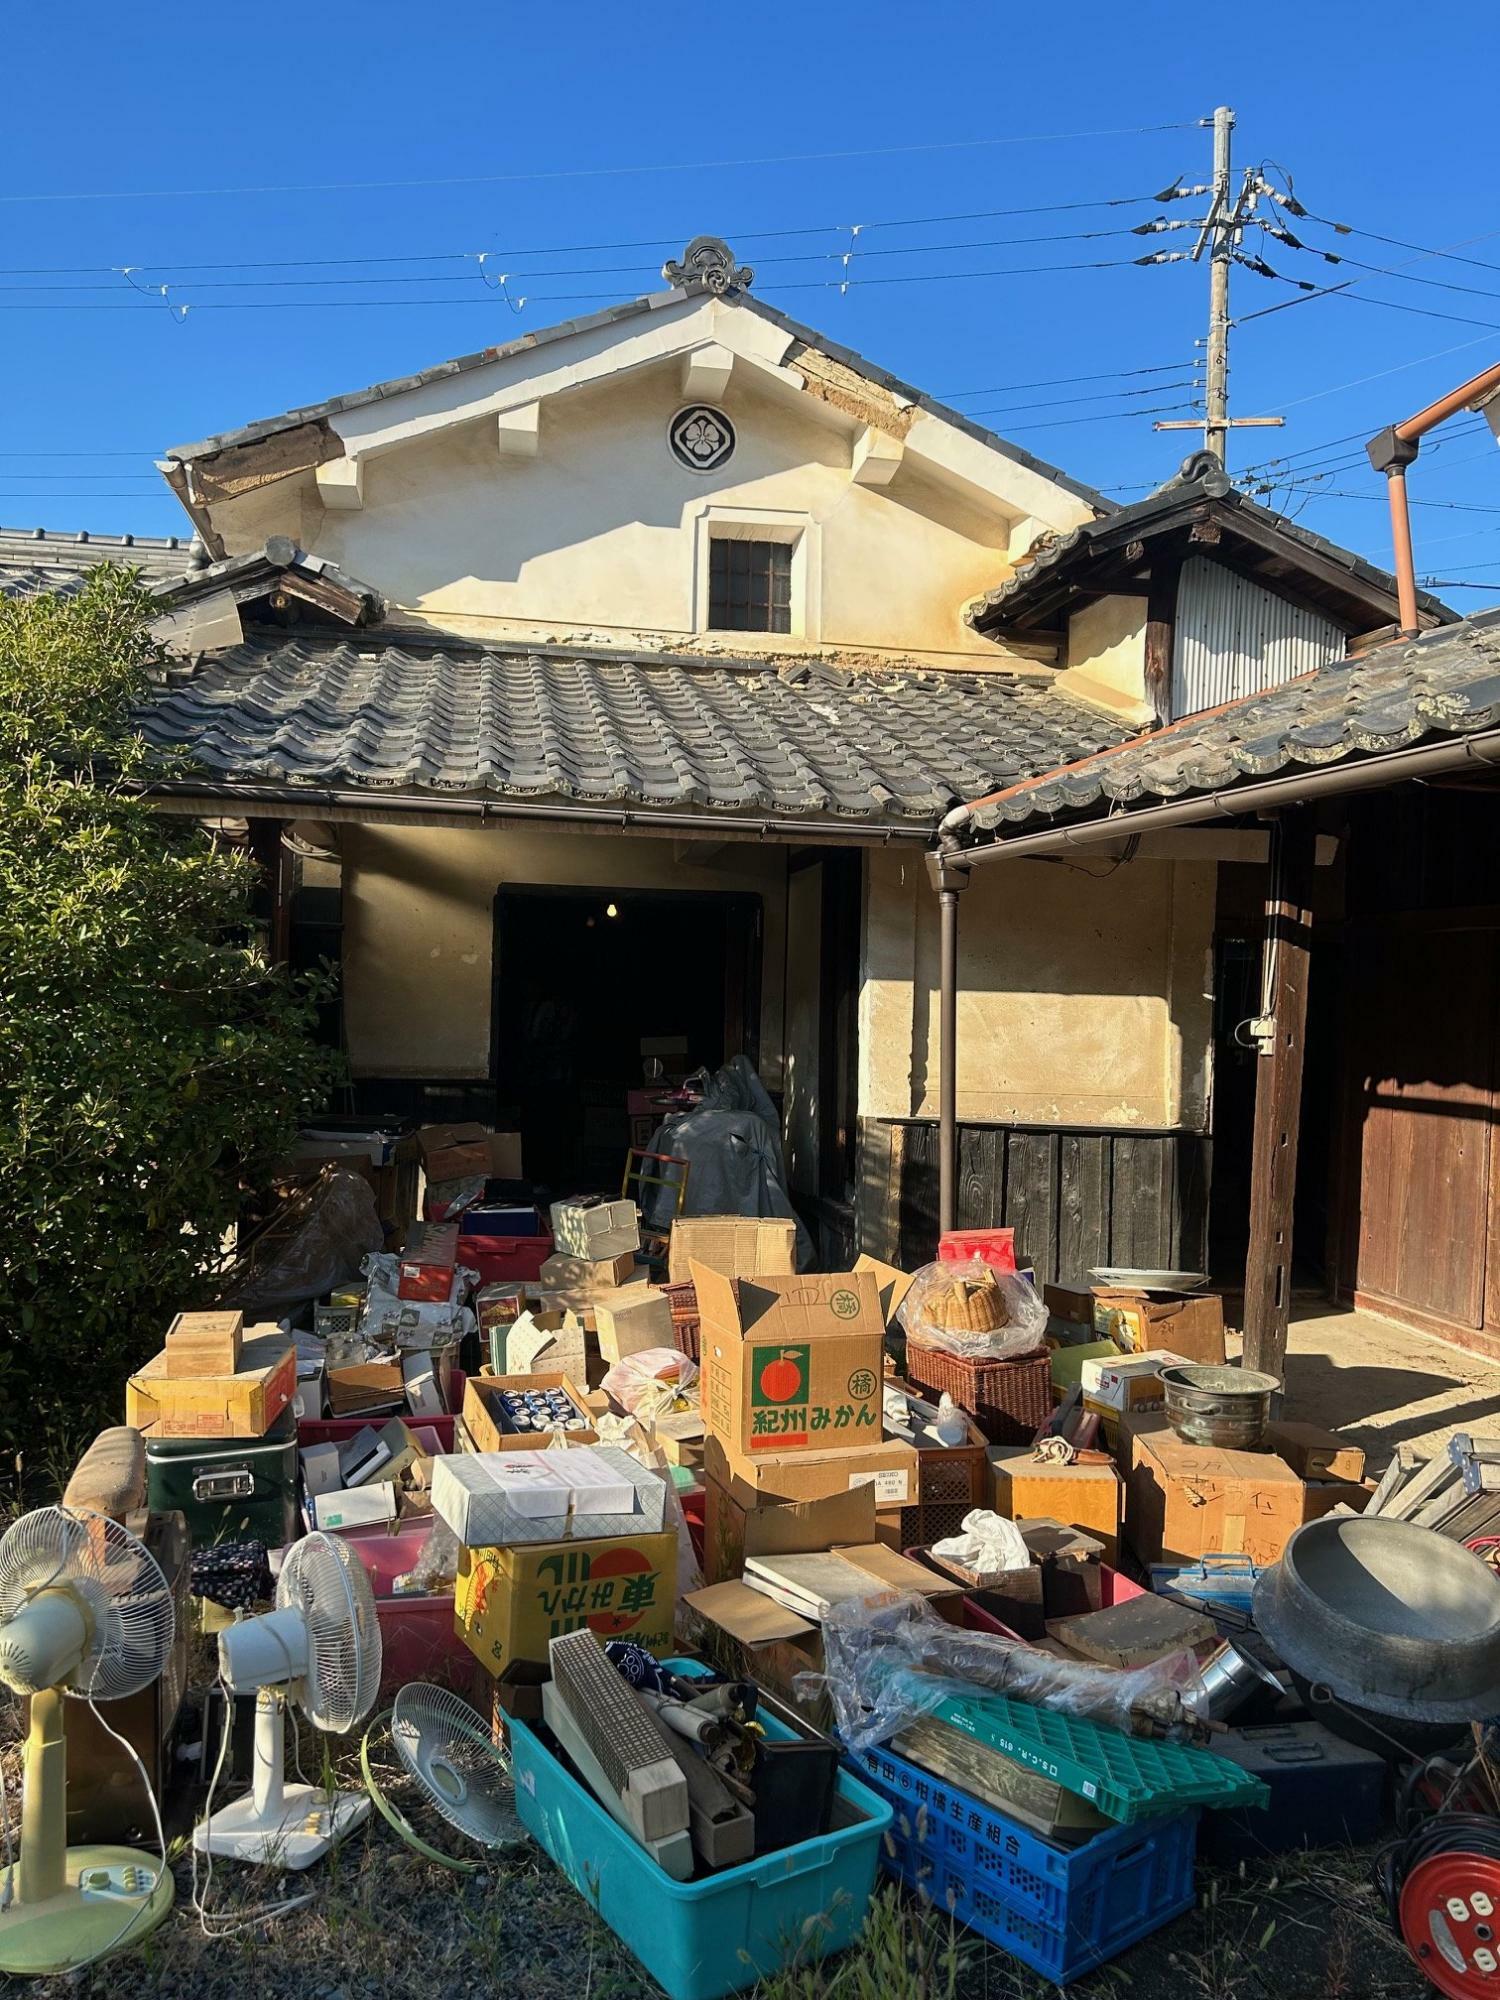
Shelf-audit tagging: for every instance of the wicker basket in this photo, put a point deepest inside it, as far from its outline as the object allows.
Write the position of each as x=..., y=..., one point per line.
x=683, y=1299
x=1009, y=1400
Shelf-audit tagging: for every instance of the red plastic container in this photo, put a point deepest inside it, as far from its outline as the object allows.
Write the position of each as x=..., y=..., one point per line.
x=995, y=1247
x=501, y=1258
x=334, y=1430
x=418, y=1642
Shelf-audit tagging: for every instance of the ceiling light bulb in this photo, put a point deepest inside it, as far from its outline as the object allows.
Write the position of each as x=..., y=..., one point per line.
x=611, y=910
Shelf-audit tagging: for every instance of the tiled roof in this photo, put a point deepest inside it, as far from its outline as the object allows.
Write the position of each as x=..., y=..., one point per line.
x=35, y=559
x=897, y=744
x=1445, y=684
x=379, y=392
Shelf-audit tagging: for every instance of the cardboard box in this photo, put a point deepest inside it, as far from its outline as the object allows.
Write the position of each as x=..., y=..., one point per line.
x=1064, y=1302
x=242, y=1405
x=1126, y=1383
x=547, y=1343
x=1314, y=1453
x=893, y=1284
x=630, y=1319
x=565, y=1273
x=484, y=1423
x=205, y=1343
x=506, y=1499
x=790, y=1363
x=596, y=1231
x=366, y=1386
x=425, y=1272
x=736, y=1246
x=1191, y=1324
x=455, y=1152
x=738, y=1521
x=1089, y=1497
x=1183, y=1501
x=509, y=1602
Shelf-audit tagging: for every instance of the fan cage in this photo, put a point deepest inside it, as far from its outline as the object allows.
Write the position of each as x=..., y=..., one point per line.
x=324, y=1581
x=117, y=1582
x=445, y=1746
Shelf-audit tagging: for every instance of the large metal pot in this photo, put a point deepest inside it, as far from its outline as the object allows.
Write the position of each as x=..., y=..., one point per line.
x=1227, y=1407
x=1388, y=1617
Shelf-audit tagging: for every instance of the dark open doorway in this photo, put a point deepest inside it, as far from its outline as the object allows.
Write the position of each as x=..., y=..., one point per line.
x=582, y=977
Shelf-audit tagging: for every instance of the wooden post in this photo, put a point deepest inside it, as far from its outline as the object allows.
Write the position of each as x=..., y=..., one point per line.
x=266, y=845
x=1278, y=1091
x=1161, y=628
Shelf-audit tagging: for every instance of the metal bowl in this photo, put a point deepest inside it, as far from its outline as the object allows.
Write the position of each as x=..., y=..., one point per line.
x=1211, y=1404
x=1389, y=1617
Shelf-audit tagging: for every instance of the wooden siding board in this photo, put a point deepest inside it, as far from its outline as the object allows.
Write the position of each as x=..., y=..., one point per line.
x=1083, y=1205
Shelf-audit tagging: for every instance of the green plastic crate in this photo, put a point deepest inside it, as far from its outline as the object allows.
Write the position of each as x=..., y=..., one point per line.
x=1127, y=1777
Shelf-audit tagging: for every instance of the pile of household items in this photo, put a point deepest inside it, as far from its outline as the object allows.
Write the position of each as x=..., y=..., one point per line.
x=731, y=1585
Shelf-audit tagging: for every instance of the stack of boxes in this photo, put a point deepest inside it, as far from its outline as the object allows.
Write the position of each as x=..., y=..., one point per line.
x=593, y=1270
x=215, y=1410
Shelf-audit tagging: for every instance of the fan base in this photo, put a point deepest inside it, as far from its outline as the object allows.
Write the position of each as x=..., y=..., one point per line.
x=310, y=1823
x=70, y=1929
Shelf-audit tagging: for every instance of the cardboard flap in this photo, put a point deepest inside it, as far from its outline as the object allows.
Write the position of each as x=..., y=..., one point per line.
x=746, y=1615
x=814, y=1303
x=899, y=1572
x=892, y=1284
x=717, y=1305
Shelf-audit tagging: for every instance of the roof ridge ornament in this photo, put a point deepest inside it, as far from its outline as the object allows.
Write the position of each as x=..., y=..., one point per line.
x=708, y=261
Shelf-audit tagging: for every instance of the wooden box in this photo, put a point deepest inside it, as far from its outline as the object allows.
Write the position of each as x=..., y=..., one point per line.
x=205, y=1343
x=242, y=1405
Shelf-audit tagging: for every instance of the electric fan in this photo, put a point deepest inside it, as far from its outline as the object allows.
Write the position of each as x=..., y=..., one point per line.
x=84, y=1611
x=458, y=1768
x=320, y=1647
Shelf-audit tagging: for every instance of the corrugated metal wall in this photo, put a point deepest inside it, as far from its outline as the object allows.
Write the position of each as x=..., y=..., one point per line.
x=1234, y=638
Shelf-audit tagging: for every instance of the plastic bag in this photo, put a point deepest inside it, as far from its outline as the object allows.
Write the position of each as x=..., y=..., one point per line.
x=445, y=1199
x=325, y=1249
x=973, y=1311
x=436, y=1566
x=652, y=1382
x=889, y=1660
x=989, y=1545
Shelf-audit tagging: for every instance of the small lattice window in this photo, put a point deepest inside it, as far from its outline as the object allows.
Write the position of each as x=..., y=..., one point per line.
x=749, y=586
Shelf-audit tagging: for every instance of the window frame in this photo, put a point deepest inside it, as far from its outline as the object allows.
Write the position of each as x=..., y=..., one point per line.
x=755, y=524
x=743, y=592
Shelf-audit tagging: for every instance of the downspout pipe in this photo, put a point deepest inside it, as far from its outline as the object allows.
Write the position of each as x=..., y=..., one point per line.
x=952, y=881
x=1392, y=451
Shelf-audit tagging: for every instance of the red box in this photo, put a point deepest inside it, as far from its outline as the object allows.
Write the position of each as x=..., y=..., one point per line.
x=996, y=1247
x=1114, y=1588
x=418, y=1641
x=501, y=1258
x=427, y=1265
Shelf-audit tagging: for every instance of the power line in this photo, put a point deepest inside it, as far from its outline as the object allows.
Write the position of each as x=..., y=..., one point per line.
x=1105, y=417
x=590, y=173
x=1103, y=396
x=1056, y=382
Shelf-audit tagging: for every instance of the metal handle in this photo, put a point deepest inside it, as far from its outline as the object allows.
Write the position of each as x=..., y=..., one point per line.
x=233, y=1482
x=1296, y=1753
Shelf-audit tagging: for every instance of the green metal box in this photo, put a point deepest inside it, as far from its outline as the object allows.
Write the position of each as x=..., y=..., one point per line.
x=230, y=1489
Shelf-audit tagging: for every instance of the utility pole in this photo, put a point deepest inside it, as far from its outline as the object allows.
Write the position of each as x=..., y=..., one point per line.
x=1216, y=419
x=1219, y=234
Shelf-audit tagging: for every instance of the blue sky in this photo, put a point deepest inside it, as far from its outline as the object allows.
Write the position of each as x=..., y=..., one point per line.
x=548, y=137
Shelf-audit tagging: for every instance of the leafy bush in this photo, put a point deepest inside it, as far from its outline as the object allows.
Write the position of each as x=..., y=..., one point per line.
x=155, y=1065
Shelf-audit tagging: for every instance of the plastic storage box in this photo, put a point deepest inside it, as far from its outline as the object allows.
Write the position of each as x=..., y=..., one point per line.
x=417, y=1635
x=1062, y=1911
x=703, y=1939
x=498, y=1258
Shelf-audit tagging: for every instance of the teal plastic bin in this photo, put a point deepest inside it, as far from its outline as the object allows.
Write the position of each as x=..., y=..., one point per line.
x=700, y=1940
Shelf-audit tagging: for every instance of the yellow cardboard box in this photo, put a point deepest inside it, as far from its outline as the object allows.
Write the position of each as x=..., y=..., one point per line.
x=242, y=1405
x=509, y=1602
x=790, y=1364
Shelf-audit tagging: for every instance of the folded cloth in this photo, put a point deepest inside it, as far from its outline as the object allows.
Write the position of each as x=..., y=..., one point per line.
x=236, y=1575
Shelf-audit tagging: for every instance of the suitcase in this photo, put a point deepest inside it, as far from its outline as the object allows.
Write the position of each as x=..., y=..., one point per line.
x=230, y=1489
x=1325, y=1792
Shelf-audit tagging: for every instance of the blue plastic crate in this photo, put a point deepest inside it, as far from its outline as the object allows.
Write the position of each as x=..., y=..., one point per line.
x=701, y=1940
x=1064, y=1911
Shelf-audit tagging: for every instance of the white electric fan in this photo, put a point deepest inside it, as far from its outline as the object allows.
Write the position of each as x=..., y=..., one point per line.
x=320, y=1648
x=458, y=1769
x=84, y=1611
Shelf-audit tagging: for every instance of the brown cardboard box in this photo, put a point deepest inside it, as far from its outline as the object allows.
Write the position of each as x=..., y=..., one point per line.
x=205, y=1343
x=1314, y=1453
x=1183, y=1501
x=736, y=1246
x=1064, y=1302
x=562, y=1273
x=1188, y=1323
x=1090, y=1497
x=509, y=1602
x=630, y=1319
x=463, y=1152
x=242, y=1405
x=481, y=1418
x=366, y=1385
x=739, y=1520
x=790, y=1364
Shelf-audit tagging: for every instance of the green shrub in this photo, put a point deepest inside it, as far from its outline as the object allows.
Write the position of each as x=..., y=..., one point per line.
x=155, y=1066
